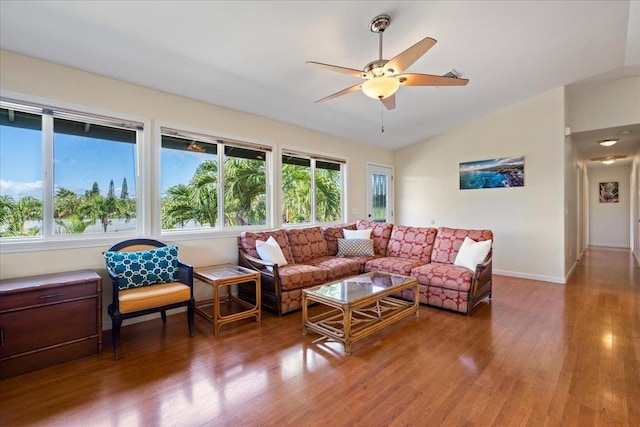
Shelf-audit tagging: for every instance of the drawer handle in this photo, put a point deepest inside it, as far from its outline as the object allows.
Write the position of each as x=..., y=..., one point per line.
x=50, y=296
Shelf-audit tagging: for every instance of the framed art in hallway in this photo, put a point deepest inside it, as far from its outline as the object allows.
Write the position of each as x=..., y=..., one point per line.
x=493, y=173
x=609, y=192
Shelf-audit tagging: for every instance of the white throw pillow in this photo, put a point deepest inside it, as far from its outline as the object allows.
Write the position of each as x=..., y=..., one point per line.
x=357, y=234
x=472, y=253
x=270, y=251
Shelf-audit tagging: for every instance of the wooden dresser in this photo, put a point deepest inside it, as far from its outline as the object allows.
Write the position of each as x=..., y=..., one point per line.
x=49, y=319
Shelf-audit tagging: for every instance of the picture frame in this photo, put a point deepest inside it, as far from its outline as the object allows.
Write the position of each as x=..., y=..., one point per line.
x=608, y=192
x=503, y=172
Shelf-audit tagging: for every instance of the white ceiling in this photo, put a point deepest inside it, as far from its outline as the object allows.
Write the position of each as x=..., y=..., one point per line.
x=250, y=55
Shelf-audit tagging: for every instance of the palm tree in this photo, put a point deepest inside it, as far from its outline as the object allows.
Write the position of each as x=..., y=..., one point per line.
x=15, y=214
x=296, y=192
x=177, y=208
x=197, y=201
x=74, y=224
x=65, y=203
x=204, y=187
x=327, y=195
x=245, y=191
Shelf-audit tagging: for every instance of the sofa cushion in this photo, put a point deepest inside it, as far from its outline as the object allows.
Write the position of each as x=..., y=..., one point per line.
x=355, y=247
x=440, y=297
x=411, y=242
x=472, y=253
x=247, y=242
x=334, y=232
x=449, y=240
x=381, y=232
x=392, y=265
x=444, y=275
x=307, y=243
x=143, y=268
x=337, y=267
x=296, y=276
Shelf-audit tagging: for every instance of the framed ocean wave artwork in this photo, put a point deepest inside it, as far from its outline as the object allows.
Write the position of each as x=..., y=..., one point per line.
x=493, y=173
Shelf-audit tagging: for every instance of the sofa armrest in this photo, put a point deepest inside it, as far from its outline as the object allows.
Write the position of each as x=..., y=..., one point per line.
x=257, y=264
x=481, y=283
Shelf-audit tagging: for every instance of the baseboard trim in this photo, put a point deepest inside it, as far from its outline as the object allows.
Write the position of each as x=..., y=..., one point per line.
x=552, y=279
x=610, y=245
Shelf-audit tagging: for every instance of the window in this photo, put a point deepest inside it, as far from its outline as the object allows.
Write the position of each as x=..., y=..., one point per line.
x=210, y=183
x=65, y=173
x=21, y=208
x=311, y=184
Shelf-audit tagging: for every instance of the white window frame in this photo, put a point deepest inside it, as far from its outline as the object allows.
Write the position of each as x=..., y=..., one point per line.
x=314, y=156
x=222, y=140
x=48, y=240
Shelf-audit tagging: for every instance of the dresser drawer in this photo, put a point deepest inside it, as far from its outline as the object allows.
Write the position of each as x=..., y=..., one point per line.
x=49, y=319
x=26, y=330
x=46, y=295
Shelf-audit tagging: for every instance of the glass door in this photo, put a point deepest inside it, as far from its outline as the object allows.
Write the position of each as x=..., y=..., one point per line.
x=379, y=193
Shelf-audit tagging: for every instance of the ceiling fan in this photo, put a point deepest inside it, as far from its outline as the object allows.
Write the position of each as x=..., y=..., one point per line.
x=384, y=77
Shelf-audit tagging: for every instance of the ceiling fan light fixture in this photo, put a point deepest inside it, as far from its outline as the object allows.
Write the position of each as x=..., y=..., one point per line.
x=380, y=87
x=608, y=142
x=608, y=161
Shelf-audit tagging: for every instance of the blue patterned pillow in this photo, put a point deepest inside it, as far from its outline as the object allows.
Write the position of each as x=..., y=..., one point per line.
x=143, y=268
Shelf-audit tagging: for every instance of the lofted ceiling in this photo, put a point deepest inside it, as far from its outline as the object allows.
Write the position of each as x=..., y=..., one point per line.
x=250, y=55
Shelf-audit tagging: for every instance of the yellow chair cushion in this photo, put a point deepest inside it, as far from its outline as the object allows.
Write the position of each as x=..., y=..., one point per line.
x=152, y=296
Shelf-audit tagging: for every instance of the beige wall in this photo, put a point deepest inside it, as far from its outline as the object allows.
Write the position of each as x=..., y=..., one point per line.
x=609, y=105
x=609, y=223
x=30, y=78
x=571, y=208
x=528, y=222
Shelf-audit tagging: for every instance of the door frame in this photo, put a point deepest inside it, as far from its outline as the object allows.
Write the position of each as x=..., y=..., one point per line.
x=371, y=168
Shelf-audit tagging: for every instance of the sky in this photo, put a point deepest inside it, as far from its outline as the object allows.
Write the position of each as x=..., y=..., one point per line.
x=79, y=162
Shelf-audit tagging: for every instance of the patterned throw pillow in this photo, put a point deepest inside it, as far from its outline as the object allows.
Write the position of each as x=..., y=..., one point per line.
x=143, y=268
x=355, y=247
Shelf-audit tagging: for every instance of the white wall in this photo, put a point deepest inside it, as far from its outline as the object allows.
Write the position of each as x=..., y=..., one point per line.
x=609, y=223
x=609, y=105
x=48, y=81
x=528, y=222
x=571, y=210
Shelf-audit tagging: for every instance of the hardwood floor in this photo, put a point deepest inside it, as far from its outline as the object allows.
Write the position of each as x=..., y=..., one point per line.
x=537, y=354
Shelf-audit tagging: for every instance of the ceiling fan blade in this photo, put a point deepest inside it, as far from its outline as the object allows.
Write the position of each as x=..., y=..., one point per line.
x=342, y=92
x=343, y=70
x=430, y=80
x=404, y=60
x=389, y=102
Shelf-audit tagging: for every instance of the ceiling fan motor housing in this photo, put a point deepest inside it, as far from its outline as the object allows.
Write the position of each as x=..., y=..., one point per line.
x=376, y=69
x=379, y=23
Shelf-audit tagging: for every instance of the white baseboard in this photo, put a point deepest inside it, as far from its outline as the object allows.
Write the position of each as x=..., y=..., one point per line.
x=610, y=245
x=552, y=279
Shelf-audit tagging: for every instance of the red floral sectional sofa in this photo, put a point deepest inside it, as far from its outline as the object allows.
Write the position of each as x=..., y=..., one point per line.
x=312, y=259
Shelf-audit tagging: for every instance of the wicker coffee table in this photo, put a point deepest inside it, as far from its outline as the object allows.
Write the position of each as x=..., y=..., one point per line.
x=360, y=306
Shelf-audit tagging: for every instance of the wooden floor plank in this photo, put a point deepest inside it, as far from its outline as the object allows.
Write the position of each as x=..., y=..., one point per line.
x=537, y=354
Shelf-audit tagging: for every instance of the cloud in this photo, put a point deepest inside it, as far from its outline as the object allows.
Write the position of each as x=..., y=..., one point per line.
x=21, y=189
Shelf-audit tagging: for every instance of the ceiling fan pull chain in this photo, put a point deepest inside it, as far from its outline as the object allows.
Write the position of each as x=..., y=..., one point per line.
x=381, y=118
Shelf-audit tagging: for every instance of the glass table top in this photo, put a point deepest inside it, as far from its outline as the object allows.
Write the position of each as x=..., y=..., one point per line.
x=224, y=270
x=354, y=288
